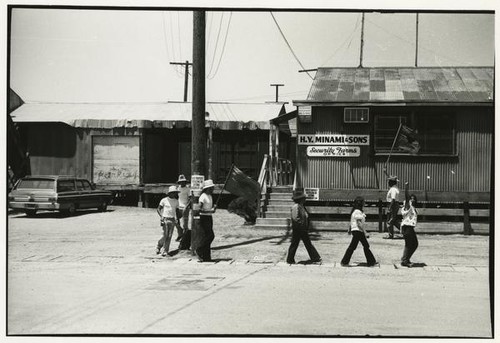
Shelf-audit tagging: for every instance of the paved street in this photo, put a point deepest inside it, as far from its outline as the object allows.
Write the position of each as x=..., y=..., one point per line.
x=97, y=273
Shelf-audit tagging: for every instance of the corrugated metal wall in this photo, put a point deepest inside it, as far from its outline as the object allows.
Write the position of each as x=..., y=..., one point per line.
x=469, y=171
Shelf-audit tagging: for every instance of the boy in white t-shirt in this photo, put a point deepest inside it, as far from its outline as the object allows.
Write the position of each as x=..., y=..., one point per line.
x=167, y=210
x=184, y=206
x=392, y=206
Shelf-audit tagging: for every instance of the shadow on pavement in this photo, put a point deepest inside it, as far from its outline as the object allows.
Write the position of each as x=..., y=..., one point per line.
x=222, y=247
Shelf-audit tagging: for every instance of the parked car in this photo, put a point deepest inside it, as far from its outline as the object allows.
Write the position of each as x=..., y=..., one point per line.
x=57, y=193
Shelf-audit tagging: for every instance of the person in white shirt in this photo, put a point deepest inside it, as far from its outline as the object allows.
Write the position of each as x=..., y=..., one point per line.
x=167, y=210
x=359, y=234
x=207, y=208
x=184, y=207
x=409, y=222
x=393, y=206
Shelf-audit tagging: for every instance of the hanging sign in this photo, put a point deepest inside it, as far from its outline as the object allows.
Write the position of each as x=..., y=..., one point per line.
x=333, y=151
x=334, y=139
x=312, y=193
x=305, y=114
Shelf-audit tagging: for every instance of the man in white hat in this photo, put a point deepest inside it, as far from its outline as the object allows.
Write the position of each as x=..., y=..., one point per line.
x=184, y=206
x=167, y=210
x=207, y=233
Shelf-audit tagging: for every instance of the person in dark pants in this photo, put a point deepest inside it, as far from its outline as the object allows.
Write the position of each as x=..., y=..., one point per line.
x=392, y=207
x=409, y=213
x=300, y=227
x=358, y=234
x=206, y=223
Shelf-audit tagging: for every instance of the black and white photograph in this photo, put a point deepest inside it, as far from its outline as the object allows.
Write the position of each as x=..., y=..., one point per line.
x=266, y=170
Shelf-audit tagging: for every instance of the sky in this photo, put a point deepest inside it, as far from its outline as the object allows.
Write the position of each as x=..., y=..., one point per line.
x=61, y=55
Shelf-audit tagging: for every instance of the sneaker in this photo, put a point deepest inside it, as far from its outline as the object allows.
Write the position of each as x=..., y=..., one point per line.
x=407, y=264
x=165, y=254
x=344, y=264
x=157, y=251
x=372, y=264
x=319, y=260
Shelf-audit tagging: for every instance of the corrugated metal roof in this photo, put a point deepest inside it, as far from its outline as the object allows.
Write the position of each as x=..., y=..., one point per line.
x=448, y=84
x=226, y=116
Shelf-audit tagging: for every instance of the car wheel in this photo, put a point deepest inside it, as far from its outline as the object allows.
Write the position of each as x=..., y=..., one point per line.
x=103, y=207
x=71, y=209
x=30, y=213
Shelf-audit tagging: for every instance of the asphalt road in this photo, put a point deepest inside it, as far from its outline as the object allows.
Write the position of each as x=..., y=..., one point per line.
x=97, y=273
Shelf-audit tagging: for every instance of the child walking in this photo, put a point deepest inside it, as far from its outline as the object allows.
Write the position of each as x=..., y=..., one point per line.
x=359, y=234
x=409, y=222
x=167, y=210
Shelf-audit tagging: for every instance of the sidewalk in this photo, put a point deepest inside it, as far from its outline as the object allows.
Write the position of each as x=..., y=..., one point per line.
x=97, y=273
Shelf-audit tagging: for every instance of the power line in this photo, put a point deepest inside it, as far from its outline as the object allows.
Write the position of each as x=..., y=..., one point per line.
x=288, y=44
x=216, y=44
x=223, y=47
x=410, y=42
x=350, y=37
x=166, y=44
x=172, y=42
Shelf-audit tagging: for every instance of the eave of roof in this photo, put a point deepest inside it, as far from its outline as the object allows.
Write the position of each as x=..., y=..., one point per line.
x=402, y=85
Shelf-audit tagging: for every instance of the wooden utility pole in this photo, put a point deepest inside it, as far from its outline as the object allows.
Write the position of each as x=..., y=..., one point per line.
x=186, y=76
x=362, y=40
x=416, y=44
x=198, y=140
x=277, y=85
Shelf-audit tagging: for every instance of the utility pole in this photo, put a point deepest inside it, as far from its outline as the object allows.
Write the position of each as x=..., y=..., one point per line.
x=362, y=40
x=198, y=140
x=186, y=76
x=416, y=44
x=277, y=85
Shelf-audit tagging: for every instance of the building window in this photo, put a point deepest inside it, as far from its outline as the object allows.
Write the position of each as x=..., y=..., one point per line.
x=435, y=133
x=356, y=115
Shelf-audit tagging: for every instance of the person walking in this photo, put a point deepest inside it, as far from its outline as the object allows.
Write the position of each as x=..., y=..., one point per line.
x=184, y=207
x=359, y=234
x=167, y=211
x=207, y=208
x=392, y=207
x=300, y=228
x=409, y=222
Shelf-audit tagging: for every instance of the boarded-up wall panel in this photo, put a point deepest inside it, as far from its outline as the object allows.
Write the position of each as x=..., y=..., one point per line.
x=116, y=160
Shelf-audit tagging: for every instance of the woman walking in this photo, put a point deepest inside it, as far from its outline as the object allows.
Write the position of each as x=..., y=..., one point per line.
x=408, y=227
x=300, y=227
x=358, y=234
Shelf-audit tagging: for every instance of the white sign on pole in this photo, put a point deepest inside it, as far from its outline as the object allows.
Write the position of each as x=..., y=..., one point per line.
x=333, y=151
x=197, y=182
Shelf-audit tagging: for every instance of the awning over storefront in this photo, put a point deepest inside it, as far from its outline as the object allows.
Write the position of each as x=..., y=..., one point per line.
x=224, y=116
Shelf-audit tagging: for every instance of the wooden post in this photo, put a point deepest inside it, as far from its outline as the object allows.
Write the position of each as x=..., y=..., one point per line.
x=198, y=140
x=210, y=152
x=467, y=225
x=380, y=214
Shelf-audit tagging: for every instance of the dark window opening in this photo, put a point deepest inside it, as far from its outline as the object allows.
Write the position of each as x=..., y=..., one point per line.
x=435, y=133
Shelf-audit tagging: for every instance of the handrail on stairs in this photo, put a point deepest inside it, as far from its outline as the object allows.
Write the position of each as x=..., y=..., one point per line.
x=273, y=172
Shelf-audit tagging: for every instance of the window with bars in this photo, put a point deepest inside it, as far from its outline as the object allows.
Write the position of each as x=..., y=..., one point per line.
x=435, y=133
x=356, y=115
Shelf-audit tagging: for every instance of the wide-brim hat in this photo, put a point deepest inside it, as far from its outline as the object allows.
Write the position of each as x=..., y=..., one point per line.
x=298, y=195
x=208, y=184
x=172, y=189
x=182, y=178
x=393, y=178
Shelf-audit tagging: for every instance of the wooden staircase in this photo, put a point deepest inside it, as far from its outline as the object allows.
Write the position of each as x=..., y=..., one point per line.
x=275, y=212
